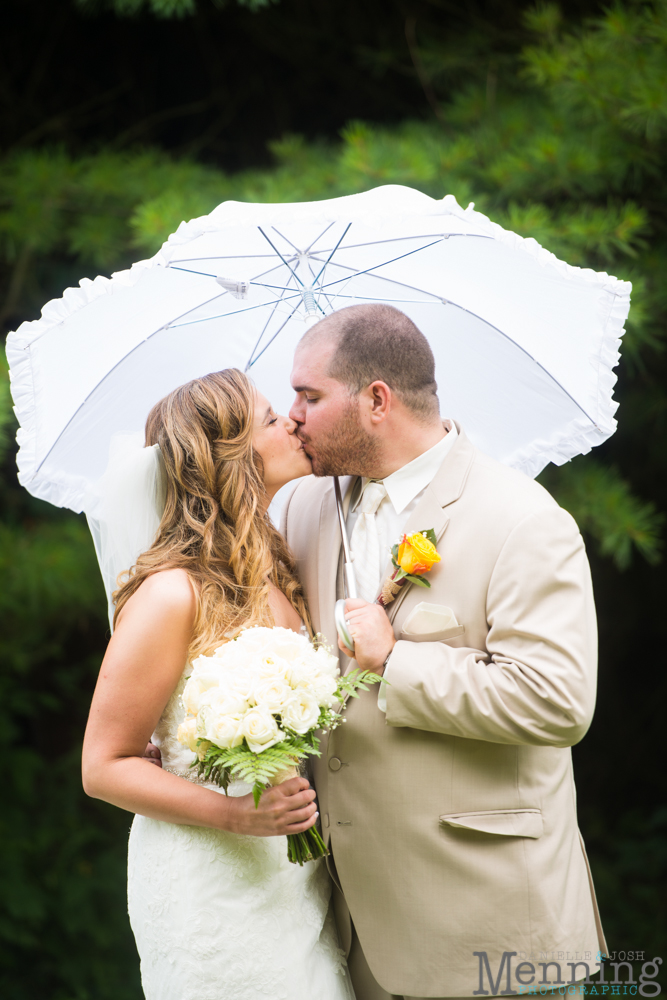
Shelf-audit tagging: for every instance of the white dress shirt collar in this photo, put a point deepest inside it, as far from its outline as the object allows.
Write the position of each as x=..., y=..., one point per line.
x=406, y=483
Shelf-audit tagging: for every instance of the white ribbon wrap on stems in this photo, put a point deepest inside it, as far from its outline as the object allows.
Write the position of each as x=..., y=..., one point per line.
x=125, y=506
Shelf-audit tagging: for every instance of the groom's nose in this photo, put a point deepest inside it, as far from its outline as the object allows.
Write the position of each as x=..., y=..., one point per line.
x=297, y=411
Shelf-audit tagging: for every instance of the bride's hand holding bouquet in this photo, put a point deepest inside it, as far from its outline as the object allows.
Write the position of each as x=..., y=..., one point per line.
x=253, y=709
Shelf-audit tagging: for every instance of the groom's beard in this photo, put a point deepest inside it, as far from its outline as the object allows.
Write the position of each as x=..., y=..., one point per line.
x=347, y=450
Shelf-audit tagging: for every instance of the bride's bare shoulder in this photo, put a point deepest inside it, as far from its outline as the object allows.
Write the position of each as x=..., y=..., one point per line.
x=167, y=593
x=169, y=584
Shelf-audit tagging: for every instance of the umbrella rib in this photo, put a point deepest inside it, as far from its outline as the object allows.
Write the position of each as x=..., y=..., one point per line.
x=266, y=346
x=254, y=280
x=384, y=264
x=379, y=277
x=310, y=268
x=259, y=284
x=204, y=274
x=280, y=255
x=469, y=311
x=288, y=265
x=347, y=228
x=286, y=239
x=486, y=323
x=231, y=256
x=423, y=236
x=188, y=270
x=282, y=288
x=259, y=339
x=369, y=298
x=205, y=319
x=120, y=361
x=305, y=252
x=136, y=347
x=284, y=297
x=309, y=248
x=351, y=246
x=278, y=288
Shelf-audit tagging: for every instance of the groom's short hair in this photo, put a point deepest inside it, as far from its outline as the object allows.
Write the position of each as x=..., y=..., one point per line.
x=378, y=342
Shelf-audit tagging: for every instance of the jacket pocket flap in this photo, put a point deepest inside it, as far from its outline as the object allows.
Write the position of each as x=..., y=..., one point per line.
x=439, y=636
x=506, y=822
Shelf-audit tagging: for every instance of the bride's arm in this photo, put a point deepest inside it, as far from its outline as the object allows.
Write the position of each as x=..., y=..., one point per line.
x=140, y=670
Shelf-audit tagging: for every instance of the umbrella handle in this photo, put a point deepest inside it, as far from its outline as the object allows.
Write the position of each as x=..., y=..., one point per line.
x=350, y=582
x=342, y=626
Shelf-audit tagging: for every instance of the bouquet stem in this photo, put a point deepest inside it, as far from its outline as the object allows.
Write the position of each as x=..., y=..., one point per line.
x=306, y=846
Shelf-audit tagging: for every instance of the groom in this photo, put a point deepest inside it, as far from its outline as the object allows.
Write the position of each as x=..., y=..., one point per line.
x=447, y=798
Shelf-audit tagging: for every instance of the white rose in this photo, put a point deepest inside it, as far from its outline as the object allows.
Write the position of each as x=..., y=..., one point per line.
x=278, y=642
x=253, y=640
x=270, y=665
x=271, y=693
x=260, y=729
x=195, y=688
x=301, y=712
x=243, y=683
x=224, y=730
x=326, y=662
x=223, y=701
x=187, y=734
x=300, y=672
x=289, y=645
x=202, y=663
x=323, y=689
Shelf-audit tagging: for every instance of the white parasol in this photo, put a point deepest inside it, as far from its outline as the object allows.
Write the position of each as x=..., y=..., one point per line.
x=524, y=343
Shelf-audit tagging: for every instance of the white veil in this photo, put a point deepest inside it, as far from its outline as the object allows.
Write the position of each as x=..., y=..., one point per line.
x=124, y=507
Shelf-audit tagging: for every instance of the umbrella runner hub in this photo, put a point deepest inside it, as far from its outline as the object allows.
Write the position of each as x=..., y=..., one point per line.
x=309, y=303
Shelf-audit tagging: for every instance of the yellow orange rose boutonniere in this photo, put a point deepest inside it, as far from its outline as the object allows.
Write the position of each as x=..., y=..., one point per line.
x=412, y=556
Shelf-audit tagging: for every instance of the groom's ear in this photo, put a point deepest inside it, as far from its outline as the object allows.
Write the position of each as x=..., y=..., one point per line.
x=376, y=401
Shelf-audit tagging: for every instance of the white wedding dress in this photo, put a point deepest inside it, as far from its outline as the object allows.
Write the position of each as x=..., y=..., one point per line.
x=219, y=916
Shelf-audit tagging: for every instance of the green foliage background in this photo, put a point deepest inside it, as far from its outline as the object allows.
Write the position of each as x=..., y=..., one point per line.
x=554, y=122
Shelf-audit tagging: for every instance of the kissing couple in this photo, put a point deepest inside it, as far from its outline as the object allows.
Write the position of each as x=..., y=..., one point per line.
x=447, y=799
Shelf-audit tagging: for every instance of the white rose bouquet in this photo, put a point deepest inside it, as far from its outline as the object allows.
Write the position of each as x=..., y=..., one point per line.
x=254, y=706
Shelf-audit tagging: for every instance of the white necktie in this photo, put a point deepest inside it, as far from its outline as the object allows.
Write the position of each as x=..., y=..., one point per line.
x=365, y=542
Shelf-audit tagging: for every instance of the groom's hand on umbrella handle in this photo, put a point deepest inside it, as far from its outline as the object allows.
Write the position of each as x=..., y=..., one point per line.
x=152, y=755
x=372, y=634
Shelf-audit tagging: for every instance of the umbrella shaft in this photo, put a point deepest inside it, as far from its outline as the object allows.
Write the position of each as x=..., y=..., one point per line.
x=350, y=579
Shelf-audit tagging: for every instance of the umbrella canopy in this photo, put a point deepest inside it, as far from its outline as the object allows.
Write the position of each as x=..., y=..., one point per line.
x=524, y=343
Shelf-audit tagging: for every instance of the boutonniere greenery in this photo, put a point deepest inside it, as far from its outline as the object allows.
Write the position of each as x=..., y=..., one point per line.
x=413, y=555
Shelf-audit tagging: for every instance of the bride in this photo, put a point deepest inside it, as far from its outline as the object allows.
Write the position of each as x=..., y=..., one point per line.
x=217, y=910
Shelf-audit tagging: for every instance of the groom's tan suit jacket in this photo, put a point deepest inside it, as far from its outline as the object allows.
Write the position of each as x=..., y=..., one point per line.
x=452, y=820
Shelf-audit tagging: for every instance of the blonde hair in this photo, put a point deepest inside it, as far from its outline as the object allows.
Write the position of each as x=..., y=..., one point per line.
x=214, y=525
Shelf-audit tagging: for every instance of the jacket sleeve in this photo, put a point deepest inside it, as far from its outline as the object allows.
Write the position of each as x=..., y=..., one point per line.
x=535, y=681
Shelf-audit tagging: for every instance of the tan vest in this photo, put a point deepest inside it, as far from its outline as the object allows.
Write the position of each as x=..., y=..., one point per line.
x=452, y=820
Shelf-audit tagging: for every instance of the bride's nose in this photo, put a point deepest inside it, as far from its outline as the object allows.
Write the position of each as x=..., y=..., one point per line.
x=291, y=425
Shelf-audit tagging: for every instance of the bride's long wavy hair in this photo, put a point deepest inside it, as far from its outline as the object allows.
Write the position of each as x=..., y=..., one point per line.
x=214, y=524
